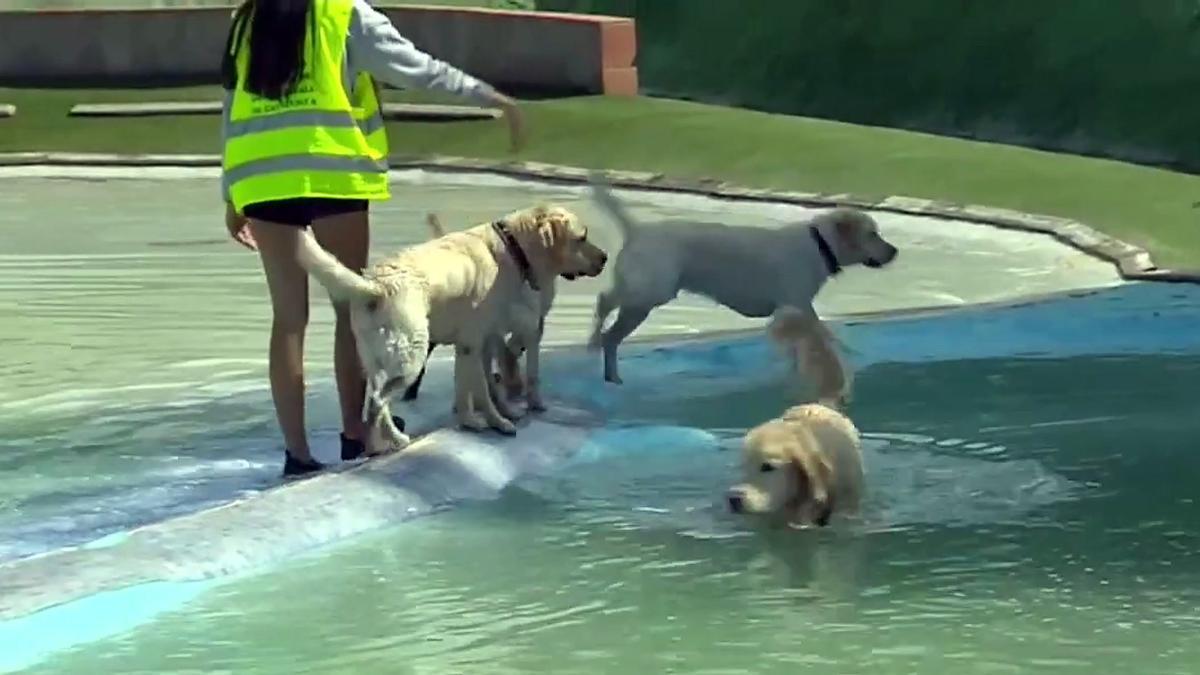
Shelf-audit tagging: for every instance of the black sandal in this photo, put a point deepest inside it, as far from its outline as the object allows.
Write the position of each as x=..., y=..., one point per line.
x=353, y=448
x=293, y=467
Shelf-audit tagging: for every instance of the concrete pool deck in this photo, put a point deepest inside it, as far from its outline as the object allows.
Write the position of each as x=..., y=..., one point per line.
x=106, y=275
x=1133, y=263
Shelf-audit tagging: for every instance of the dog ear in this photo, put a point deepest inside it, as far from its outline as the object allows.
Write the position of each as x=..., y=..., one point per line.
x=803, y=482
x=846, y=225
x=554, y=229
x=548, y=233
x=813, y=477
x=822, y=496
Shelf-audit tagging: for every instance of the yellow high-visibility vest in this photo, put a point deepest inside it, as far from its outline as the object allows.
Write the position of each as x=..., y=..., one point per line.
x=318, y=141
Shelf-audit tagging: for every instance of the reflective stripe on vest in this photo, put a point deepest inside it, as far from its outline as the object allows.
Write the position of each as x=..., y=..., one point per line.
x=320, y=140
x=305, y=162
x=303, y=118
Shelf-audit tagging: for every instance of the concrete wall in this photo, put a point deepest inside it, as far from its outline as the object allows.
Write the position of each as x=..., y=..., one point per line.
x=517, y=51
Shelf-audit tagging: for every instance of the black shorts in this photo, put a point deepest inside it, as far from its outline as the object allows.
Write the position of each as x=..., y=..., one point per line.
x=302, y=211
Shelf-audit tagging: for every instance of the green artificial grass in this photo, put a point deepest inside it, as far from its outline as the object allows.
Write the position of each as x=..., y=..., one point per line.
x=1149, y=207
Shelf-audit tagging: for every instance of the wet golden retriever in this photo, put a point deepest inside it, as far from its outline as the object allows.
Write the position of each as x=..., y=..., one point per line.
x=802, y=466
x=806, y=464
x=458, y=289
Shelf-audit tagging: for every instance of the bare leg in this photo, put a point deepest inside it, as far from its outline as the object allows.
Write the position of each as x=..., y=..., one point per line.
x=627, y=321
x=347, y=237
x=288, y=286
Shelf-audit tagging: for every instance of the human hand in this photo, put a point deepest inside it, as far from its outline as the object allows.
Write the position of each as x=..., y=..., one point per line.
x=239, y=228
x=516, y=122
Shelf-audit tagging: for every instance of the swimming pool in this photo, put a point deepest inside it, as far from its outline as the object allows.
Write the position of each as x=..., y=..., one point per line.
x=1029, y=501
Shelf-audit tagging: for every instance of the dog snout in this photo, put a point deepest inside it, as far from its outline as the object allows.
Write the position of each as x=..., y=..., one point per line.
x=601, y=261
x=889, y=254
x=736, y=501
x=824, y=513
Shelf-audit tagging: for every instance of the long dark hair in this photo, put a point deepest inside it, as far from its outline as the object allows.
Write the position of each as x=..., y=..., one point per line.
x=276, y=45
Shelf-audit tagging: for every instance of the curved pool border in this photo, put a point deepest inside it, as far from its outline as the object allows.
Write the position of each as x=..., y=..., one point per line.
x=1132, y=262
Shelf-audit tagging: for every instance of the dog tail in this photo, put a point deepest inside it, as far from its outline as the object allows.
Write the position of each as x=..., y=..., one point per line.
x=341, y=281
x=435, y=225
x=607, y=201
x=813, y=349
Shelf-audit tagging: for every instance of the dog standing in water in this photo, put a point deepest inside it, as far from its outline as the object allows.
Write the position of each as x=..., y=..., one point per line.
x=805, y=465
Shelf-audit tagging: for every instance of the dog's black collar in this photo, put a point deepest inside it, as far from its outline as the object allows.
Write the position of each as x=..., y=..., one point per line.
x=831, y=261
x=518, y=255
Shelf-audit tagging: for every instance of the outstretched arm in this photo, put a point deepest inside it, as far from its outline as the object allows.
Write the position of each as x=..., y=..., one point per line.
x=375, y=46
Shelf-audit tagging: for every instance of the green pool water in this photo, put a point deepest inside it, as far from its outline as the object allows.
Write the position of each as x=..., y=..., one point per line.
x=1031, y=503
x=1018, y=523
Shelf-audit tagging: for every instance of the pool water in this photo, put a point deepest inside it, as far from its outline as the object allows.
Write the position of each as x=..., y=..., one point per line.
x=1026, y=513
x=1030, y=501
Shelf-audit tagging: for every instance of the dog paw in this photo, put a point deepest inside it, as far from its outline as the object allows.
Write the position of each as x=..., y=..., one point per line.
x=505, y=427
x=386, y=440
x=473, y=422
x=534, y=402
x=504, y=405
x=508, y=412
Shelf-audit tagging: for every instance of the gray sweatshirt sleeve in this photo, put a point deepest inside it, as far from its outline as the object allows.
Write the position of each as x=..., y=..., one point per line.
x=375, y=46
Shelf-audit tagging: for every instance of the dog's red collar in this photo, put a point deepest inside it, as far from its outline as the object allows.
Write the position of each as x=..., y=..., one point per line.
x=831, y=261
x=518, y=255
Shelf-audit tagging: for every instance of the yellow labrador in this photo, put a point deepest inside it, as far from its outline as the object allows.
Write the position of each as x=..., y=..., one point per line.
x=457, y=289
x=527, y=322
x=803, y=466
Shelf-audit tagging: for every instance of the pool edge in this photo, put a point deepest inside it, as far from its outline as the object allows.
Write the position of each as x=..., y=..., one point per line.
x=1133, y=263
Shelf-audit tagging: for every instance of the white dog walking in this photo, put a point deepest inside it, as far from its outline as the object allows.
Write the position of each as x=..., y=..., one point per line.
x=756, y=272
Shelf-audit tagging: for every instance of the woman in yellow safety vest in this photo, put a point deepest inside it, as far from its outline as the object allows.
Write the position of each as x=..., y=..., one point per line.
x=305, y=145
